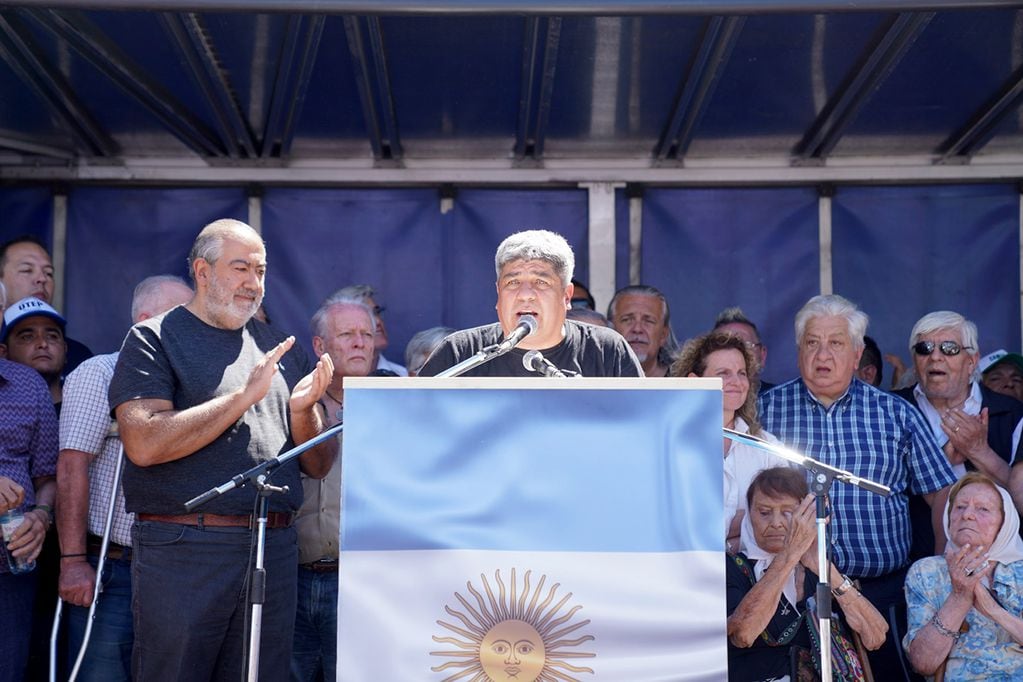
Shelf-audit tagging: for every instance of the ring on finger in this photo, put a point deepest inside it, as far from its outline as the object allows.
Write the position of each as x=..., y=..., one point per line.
x=955, y=430
x=968, y=571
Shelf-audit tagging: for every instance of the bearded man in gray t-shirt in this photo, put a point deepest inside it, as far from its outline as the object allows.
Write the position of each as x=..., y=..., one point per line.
x=201, y=394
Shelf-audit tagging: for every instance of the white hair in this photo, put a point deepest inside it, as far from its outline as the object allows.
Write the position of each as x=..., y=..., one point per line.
x=318, y=323
x=833, y=305
x=946, y=319
x=544, y=245
x=148, y=291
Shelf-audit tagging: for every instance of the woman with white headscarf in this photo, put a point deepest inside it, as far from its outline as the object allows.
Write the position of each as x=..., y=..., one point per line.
x=769, y=581
x=966, y=605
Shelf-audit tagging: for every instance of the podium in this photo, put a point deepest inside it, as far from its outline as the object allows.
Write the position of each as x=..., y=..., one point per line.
x=532, y=529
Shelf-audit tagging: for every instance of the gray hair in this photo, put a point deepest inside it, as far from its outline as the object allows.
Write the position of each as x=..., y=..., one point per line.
x=358, y=292
x=419, y=348
x=3, y=297
x=210, y=243
x=544, y=245
x=148, y=292
x=946, y=319
x=317, y=325
x=833, y=305
x=666, y=354
x=734, y=315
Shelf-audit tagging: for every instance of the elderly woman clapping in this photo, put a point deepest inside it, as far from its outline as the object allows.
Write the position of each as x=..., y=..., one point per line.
x=770, y=581
x=966, y=605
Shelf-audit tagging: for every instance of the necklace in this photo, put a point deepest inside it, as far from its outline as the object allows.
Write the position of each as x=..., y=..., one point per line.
x=331, y=396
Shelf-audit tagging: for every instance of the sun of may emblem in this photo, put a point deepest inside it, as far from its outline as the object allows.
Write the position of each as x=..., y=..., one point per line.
x=512, y=635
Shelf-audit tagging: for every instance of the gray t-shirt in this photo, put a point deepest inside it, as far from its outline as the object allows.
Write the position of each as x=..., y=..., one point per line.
x=180, y=358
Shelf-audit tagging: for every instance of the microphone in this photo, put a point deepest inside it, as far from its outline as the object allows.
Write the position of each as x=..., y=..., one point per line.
x=526, y=326
x=534, y=361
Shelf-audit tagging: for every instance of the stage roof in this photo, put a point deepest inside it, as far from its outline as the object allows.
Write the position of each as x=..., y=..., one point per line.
x=325, y=92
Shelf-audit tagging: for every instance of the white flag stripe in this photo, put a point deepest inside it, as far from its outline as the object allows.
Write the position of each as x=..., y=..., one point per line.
x=390, y=603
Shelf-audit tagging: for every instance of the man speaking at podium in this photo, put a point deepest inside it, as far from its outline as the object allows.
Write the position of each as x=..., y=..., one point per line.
x=534, y=292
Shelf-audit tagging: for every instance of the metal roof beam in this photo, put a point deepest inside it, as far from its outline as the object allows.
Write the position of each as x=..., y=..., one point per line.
x=24, y=145
x=310, y=45
x=86, y=38
x=980, y=127
x=534, y=97
x=193, y=39
x=873, y=68
x=550, y=65
x=20, y=51
x=301, y=44
x=384, y=94
x=719, y=38
x=372, y=102
x=530, y=55
x=537, y=7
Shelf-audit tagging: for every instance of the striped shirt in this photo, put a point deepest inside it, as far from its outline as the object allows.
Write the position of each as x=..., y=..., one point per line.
x=876, y=436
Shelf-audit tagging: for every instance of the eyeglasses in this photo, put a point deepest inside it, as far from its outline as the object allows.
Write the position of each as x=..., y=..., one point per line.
x=377, y=309
x=946, y=347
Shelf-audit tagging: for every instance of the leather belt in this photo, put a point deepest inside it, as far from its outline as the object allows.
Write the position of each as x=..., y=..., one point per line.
x=321, y=566
x=202, y=519
x=93, y=544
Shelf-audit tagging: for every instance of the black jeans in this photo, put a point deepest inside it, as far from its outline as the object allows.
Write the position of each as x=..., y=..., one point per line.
x=189, y=602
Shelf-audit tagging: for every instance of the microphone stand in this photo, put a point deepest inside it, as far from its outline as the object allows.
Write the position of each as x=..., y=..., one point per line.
x=482, y=356
x=822, y=477
x=257, y=476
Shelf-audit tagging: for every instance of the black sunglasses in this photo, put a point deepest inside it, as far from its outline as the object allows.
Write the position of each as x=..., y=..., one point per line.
x=946, y=347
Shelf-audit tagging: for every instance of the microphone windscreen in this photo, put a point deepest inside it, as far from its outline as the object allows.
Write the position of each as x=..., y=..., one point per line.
x=531, y=360
x=530, y=322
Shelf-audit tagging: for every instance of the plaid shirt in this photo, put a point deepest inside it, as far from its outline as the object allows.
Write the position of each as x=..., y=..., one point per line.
x=874, y=435
x=28, y=427
x=85, y=425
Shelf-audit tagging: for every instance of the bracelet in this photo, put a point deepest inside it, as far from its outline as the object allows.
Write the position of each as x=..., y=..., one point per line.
x=940, y=627
x=68, y=556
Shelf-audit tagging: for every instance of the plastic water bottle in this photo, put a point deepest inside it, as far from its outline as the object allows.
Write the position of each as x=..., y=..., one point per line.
x=10, y=522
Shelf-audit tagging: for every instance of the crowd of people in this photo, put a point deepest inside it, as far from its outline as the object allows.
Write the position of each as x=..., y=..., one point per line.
x=204, y=387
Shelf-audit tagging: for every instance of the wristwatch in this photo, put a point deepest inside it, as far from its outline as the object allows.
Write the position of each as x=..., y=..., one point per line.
x=843, y=588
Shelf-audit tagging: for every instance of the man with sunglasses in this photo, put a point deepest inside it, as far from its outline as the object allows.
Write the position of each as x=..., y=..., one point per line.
x=977, y=428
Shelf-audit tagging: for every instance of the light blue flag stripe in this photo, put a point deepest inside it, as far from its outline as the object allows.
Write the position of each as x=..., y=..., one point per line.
x=585, y=470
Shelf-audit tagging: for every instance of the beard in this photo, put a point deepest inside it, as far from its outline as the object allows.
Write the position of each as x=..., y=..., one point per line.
x=225, y=310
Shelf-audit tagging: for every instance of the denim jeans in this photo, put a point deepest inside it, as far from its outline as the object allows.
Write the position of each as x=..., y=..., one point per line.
x=108, y=656
x=190, y=596
x=315, y=646
x=17, y=593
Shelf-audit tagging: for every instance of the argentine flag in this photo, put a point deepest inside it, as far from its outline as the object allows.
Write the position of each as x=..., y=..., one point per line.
x=517, y=530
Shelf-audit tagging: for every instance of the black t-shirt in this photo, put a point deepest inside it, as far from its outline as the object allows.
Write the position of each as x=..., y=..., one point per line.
x=587, y=349
x=761, y=661
x=180, y=358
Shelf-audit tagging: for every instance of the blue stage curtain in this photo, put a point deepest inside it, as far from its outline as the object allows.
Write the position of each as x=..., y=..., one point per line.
x=481, y=219
x=116, y=237
x=902, y=252
x=319, y=240
x=26, y=210
x=708, y=249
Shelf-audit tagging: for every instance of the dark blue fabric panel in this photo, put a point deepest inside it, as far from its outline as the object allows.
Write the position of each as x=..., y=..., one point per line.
x=902, y=252
x=117, y=237
x=319, y=240
x=621, y=244
x=26, y=210
x=481, y=219
x=708, y=249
